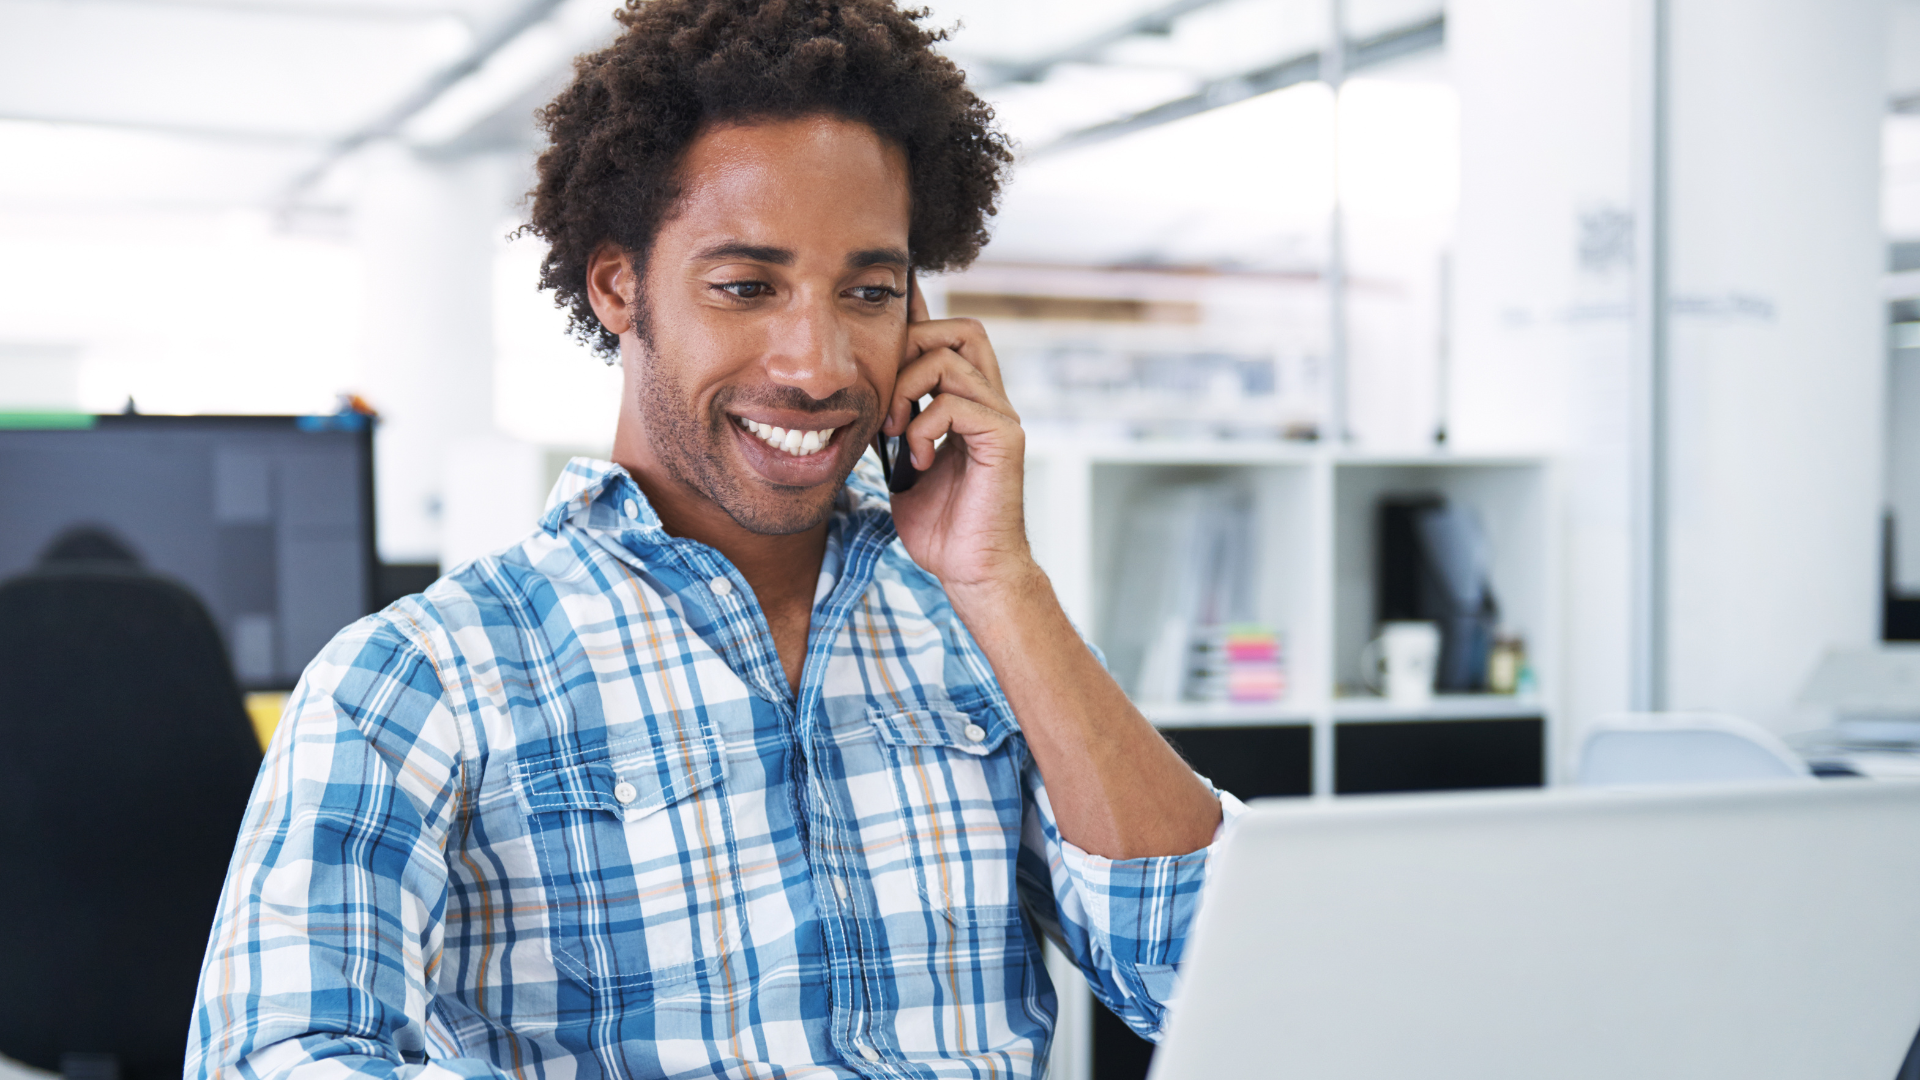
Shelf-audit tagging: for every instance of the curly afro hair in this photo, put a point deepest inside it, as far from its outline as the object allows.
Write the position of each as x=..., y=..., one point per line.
x=618, y=133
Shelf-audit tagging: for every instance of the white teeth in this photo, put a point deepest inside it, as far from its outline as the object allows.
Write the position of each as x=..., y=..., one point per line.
x=796, y=442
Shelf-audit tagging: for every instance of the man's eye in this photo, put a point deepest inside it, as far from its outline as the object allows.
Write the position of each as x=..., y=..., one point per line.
x=876, y=294
x=743, y=290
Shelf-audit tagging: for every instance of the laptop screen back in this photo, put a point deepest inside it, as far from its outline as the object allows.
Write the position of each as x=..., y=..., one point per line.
x=1757, y=932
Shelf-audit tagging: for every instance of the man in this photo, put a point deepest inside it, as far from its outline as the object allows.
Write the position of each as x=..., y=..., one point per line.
x=712, y=775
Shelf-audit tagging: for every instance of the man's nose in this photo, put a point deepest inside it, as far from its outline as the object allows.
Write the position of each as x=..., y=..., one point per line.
x=812, y=351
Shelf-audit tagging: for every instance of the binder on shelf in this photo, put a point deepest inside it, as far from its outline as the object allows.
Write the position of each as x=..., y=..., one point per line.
x=1433, y=565
x=1182, y=623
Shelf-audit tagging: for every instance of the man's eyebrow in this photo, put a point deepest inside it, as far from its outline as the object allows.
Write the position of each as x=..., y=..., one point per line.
x=876, y=257
x=735, y=249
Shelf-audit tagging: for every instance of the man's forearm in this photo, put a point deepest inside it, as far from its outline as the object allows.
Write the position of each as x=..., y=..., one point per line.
x=1118, y=790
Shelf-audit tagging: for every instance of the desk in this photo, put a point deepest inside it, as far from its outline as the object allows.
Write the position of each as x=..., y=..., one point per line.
x=1876, y=764
x=264, y=710
x=1827, y=748
x=14, y=1070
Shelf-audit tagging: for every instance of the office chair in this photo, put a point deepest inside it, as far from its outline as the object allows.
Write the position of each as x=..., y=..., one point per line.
x=126, y=760
x=1684, y=748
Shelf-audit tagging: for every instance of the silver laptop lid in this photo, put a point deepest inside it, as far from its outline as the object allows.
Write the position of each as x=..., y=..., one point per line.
x=1750, y=932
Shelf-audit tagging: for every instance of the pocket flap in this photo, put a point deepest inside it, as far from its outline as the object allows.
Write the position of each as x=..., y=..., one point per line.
x=938, y=726
x=628, y=778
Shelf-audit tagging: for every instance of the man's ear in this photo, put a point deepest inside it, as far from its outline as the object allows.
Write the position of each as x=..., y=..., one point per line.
x=610, y=287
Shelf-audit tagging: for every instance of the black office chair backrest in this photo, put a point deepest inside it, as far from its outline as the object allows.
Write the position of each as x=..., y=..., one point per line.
x=126, y=759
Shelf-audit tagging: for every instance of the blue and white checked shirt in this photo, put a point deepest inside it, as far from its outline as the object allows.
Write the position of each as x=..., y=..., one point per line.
x=561, y=816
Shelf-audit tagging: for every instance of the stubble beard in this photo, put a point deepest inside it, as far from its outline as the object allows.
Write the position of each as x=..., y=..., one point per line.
x=695, y=451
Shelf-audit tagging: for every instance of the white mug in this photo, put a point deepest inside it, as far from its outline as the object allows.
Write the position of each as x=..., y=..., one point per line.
x=1401, y=661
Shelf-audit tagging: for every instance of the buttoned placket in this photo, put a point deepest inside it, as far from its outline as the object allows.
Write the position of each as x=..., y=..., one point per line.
x=850, y=1007
x=752, y=655
x=746, y=637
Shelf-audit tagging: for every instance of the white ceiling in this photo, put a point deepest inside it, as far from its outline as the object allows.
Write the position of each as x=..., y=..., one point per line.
x=204, y=104
x=213, y=104
x=260, y=71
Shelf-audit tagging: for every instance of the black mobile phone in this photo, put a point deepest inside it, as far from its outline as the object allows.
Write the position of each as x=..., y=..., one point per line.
x=896, y=464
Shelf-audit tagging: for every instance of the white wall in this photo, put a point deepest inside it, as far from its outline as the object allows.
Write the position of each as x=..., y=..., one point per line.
x=1776, y=353
x=1777, y=359
x=428, y=233
x=195, y=311
x=1542, y=289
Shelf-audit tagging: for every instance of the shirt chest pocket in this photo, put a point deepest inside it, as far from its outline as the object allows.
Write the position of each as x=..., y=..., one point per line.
x=956, y=786
x=638, y=860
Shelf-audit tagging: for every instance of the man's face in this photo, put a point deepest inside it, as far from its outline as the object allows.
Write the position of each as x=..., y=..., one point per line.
x=775, y=313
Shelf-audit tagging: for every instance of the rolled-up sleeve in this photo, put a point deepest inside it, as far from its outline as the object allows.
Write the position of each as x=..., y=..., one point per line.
x=325, y=945
x=1124, y=922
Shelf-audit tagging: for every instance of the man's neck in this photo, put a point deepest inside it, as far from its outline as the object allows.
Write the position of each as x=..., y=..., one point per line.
x=780, y=568
x=782, y=571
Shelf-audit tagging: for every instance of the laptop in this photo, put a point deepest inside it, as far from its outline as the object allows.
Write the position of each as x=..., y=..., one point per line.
x=1751, y=932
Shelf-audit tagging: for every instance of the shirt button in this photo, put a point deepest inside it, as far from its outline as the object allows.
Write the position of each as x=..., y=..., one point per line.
x=976, y=733
x=632, y=508
x=625, y=792
x=720, y=586
x=870, y=1053
x=840, y=889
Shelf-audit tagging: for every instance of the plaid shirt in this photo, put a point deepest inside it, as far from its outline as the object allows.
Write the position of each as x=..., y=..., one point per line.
x=561, y=816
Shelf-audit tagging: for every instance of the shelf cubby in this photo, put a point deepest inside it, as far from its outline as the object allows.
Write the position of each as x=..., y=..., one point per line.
x=1313, y=511
x=1313, y=515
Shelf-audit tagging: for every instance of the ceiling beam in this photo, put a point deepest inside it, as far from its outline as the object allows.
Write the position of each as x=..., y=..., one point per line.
x=1362, y=53
x=299, y=9
x=492, y=41
x=195, y=132
x=1158, y=21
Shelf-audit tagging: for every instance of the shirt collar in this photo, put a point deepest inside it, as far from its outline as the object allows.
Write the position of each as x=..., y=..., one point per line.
x=595, y=495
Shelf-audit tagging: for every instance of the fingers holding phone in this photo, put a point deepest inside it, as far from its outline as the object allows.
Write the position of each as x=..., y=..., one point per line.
x=962, y=519
x=896, y=465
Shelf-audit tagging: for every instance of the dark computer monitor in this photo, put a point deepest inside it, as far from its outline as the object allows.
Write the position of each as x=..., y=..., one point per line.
x=268, y=519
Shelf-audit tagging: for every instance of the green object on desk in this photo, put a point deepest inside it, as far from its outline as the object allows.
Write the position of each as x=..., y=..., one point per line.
x=46, y=421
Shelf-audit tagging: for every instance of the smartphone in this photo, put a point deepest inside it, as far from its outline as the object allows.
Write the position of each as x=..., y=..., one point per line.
x=896, y=464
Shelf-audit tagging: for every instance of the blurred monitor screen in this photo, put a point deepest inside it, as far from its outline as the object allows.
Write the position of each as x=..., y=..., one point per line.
x=268, y=519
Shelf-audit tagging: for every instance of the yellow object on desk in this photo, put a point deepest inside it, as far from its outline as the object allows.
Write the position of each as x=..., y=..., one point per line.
x=264, y=709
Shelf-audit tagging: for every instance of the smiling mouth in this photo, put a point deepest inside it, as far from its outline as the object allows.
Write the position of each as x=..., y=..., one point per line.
x=792, y=441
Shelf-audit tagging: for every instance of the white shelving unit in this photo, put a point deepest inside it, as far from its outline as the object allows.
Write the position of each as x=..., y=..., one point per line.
x=1313, y=511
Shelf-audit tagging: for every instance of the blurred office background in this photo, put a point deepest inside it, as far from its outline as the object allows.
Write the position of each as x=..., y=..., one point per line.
x=255, y=206
x=1622, y=296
